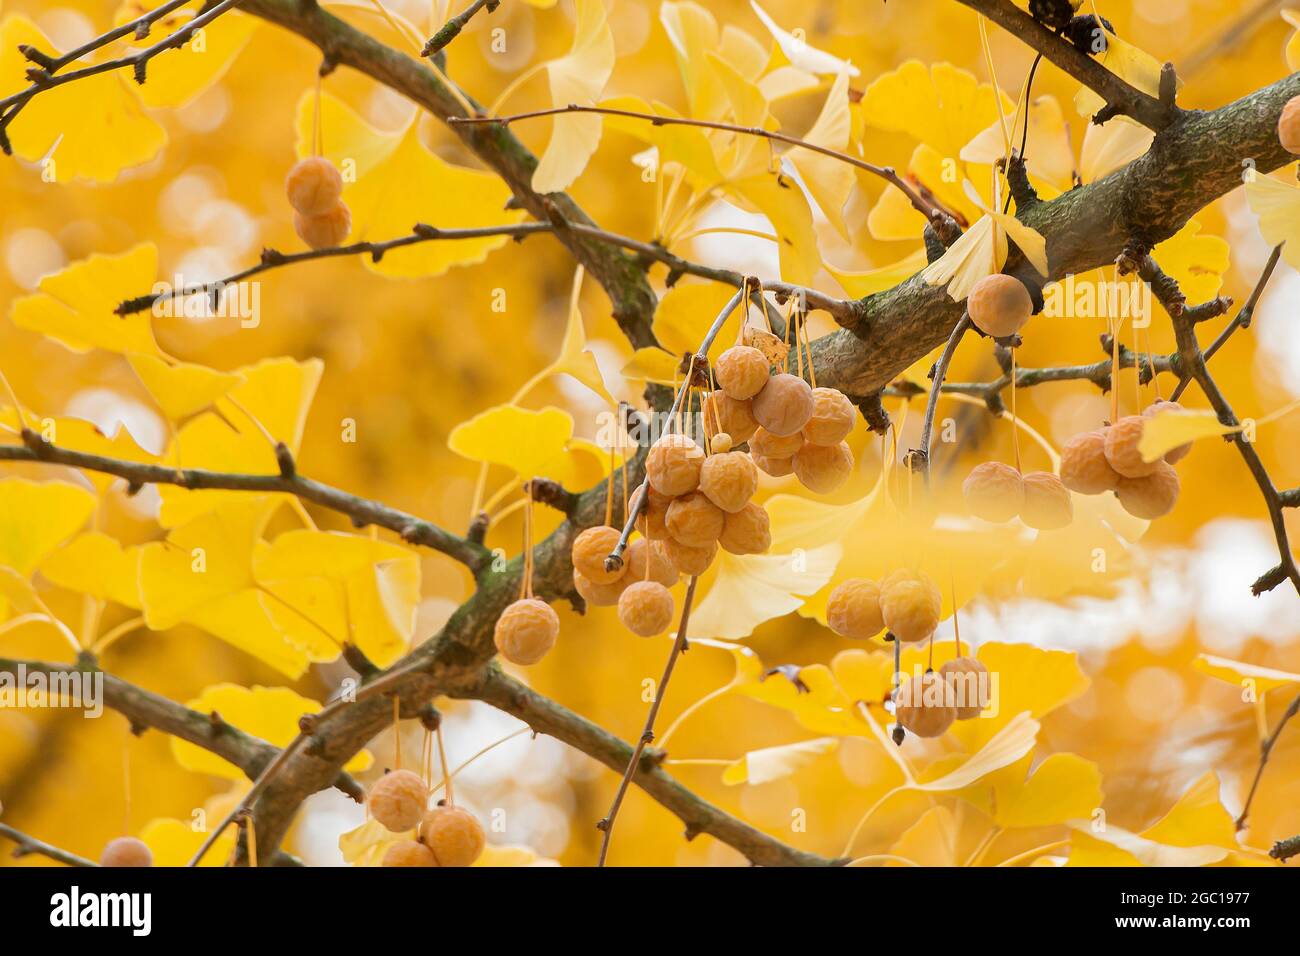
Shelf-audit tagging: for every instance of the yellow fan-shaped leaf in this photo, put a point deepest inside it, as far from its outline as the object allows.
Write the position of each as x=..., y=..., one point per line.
x=36, y=517
x=1064, y=786
x=1197, y=819
x=75, y=305
x=751, y=589
x=930, y=841
x=1108, y=147
x=181, y=389
x=77, y=434
x=575, y=359
x=799, y=52
x=392, y=181
x=859, y=284
x=1132, y=65
x=650, y=364
x=1047, y=152
x=786, y=208
x=1023, y=679
x=1115, y=846
x=1167, y=430
x=358, y=589
x=513, y=437
x=177, y=77
x=577, y=78
x=95, y=564
x=864, y=675
x=366, y=845
x=175, y=842
x=1196, y=261
x=685, y=312
x=1263, y=679
x=693, y=33
x=775, y=763
x=942, y=106
x=830, y=180
x=1293, y=43
x=1015, y=739
x=270, y=713
x=512, y=856
x=92, y=129
x=1277, y=204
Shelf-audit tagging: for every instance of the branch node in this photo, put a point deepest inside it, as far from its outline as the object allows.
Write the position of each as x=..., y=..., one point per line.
x=284, y=458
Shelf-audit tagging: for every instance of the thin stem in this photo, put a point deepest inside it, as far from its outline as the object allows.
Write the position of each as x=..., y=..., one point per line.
x=451, y=29
x=922, y=455
x=647, y=733
x=1266, y=748
x=29, y=845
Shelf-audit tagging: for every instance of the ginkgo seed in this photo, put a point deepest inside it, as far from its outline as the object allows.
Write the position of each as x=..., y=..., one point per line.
x=1288, y=126
x=832, y=418
x=729, y=480
x=784, y=405
x=650, y=520
x=742, y=371
x=1047, y=504
x=823, y=468
x=775, y=446
x=635, y=557
x=1151, y=496
x=673, y=465
x=775, y=467
x=999, y=305
x=646, y=608
x=454, y=835
x=1084, y=467
x=910, y=604
x=747, y=531
x=409, y=853
x=126, y=851
x=398, y=800
x=688, y=560
x=1159, y=407
x=853, y=609
x=526, y=630
x=921, y=705
x=994, y=491
x=313, y=186
x=694, y=520
x=1122, y=448
x=965, y=677
x=326, y=229
x=591, y=548
x=600, y=595
x=730, y=416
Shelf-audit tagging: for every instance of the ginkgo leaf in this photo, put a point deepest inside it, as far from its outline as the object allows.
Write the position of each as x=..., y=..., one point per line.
x=859, y=284
x=1262, y=679
x=1197, y=819
x=366, y=844
x=274, y=395
x=1106, y=148
x=392, y=181
x=91, y=130
x=982, y=250
x=1115, y=846
x=1166, y=430
x=36, y=517
x=577, y=78
x=799, y=52
x=1047, y=152
x=1064, y=786
x=575, y=358
x=688, y=146
x=1134, y=66
x=830, y=180
x=774, y=763
x=270, y=713
x=864, y=675
x=894, y=217
x=693, y=33
x=684, y=314
x=77, y=434
x=179, y=76
x=1196, y=261
x=75, y=305
x=786, y=208
x=181, y=389
x=652, y=364
x=748, y=590
x=1277, y=204
x=358, y=589
x=942, y=106
x=1015, y=739
x=495, y=855
x=175, y=842
x=741, y=156
x=95, y=564
x=930, y=841
x=516, y=438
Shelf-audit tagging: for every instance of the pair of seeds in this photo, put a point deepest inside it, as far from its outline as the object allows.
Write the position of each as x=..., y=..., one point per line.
x=1108, y=459
x=929, y=704
x=997, y=492
x=315, y=189
x=447, y=835
x=906, y=602
x=639, y=587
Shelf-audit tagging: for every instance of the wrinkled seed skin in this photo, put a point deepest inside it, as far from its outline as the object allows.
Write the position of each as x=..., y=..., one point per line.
x=326, y=229
x=729, y=480
x=409, y=853
x=822, y=468
x=734, y=418
x=964, y=678
x=646, y=608
x=526, y=630
x=694, y=520
x=590, y=549
x=1122, y=451
x=784, y=405
x=910, y=604
x=920, y=706
x=687, y=560
x=1047, y=504
x=1288, y=126
x=741, y=371
x=1084, y=468
x=747, y=531
x=994, y=492
x=673, y=465
x=454, y=835
x=397, y=800
x=853, y=609
x=999, y=305
x=313, y=186
x=1152, y=496
x=832, y=418
x=126, y=851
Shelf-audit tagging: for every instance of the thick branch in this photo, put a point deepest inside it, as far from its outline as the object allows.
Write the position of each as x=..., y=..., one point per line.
x=547, y=717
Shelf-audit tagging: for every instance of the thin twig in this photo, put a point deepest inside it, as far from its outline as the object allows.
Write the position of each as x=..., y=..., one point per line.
x=1266, y=748
x=362, y=511
x=29, y=845
x=648, y=732
x=920, y=457
x=451, y=29
x=930, y=210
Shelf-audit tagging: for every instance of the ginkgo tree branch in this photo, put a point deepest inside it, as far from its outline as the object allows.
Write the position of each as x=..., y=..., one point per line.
x=1121, y=97
x=362, y=511
x=43, y=79
x=451, y=29
x=26, y=845
x=145, y=709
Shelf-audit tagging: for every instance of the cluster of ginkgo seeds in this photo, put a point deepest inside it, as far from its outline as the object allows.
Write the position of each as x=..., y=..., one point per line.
x=638, y=586
x=315, y=190
x=928, y=705
x=791, y=427
x=997, y=492
x=446, y=835
x=1108, y=459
